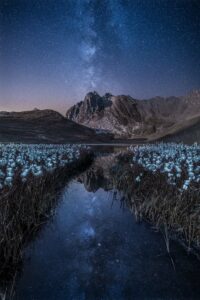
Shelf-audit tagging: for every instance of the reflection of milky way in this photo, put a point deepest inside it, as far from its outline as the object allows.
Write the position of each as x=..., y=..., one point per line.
x=90, y=208
x=87, y=231
x=106, y=255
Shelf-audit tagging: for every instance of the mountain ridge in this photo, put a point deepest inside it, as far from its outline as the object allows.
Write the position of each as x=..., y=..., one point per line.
x=127, y=117
x=44, y=126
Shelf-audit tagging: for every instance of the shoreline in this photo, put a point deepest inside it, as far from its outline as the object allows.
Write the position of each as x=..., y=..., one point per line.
x=38, y=198
x=173, y=212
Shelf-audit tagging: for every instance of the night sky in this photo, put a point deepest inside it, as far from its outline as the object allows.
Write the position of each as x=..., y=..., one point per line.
x=52, y=52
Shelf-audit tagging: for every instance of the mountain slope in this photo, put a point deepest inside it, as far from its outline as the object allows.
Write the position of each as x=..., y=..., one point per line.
x=187, y=132
x=114, y=114
x=129, y=118
x=43, y=126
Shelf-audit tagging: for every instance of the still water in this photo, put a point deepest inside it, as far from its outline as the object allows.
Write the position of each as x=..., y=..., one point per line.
x=94, y=249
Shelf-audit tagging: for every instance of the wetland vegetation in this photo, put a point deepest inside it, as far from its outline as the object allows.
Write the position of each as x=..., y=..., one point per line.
x=157, y=183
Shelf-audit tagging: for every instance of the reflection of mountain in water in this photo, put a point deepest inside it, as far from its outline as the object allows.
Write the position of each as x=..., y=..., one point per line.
x=98, y=175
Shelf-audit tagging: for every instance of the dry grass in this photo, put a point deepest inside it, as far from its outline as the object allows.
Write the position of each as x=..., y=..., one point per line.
x=25, y=207
x=153, y=199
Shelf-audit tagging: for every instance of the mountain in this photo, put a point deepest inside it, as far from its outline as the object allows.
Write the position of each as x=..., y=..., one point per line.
x=113, y=114
x=44, y=126
x=36, y=114
x=130, y=118
x=188, y=132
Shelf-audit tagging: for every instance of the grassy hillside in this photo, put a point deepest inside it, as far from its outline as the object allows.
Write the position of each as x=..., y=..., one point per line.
x=44, y=126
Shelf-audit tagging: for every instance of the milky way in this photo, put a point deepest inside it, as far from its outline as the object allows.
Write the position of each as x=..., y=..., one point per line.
x=52, y=52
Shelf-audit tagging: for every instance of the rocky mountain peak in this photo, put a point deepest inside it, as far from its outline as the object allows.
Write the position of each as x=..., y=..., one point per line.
x=193, y=100
x=91, y=95
x=92, y=104
x=195, y=93
x=108, y=96
x=112, y=111
x=129, y=117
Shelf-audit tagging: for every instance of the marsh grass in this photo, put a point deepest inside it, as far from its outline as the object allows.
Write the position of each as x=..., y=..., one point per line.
x=26, y=206
x=175, y=213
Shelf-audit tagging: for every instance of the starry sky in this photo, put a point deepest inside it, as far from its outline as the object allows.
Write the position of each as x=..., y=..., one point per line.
x=52, y=52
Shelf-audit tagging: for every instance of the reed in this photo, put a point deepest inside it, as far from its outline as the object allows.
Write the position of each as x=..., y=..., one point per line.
x=26, y=206
x=175, y=212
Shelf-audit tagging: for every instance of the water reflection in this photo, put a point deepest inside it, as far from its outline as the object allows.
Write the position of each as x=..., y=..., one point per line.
x=94, y=249
x=98, y=175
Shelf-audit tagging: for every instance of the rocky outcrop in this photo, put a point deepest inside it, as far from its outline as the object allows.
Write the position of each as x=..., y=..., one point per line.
x=93, y=104
x=129, y=118
x=111, y=113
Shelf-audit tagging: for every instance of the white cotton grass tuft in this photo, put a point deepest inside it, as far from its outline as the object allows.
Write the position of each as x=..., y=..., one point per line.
x=33, y=159
x=174, y=160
